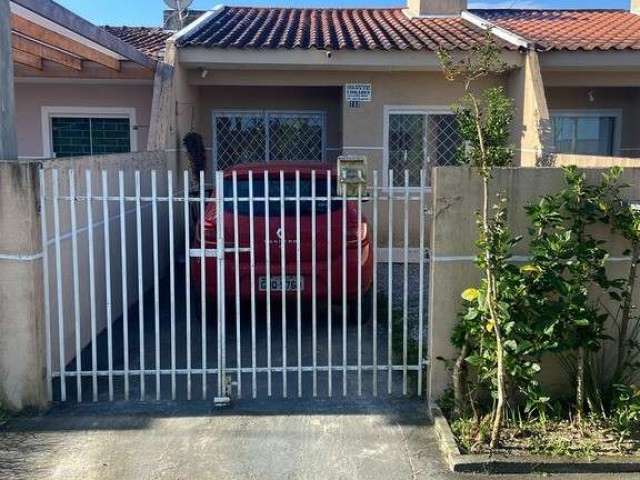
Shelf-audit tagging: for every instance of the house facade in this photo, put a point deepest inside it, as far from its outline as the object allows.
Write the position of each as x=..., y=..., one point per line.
x=274, y=84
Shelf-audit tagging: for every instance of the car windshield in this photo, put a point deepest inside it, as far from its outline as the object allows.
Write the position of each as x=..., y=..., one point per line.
x=274, y=192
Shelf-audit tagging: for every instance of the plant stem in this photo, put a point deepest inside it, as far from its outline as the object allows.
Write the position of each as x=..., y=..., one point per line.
x=458, y=378
x=579, y=384
x=626, y=312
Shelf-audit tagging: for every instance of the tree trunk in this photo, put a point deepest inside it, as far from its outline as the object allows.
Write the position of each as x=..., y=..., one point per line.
x=459, y=381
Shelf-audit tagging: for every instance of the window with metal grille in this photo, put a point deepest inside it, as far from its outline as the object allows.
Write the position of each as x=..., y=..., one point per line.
x=77, y=136
x=419, y=140
x=246, y=137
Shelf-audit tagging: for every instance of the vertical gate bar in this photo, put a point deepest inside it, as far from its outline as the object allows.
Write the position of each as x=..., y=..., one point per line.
x=156, y=280
x=314, y=306
x=76, y=282
x=140, y=285
x=421, y=287
x=252, y=268
x=359, y=285
x=375, y=284
x=203, y=288
x=298, y=280
x=236, y=257
x=329, y=296
x=344, y=291
x=107, y=280
x=221, y=243
x=405, y=281
x=267, y=262
x=283, y=289
x=92, y=286
x=390, y=290
x=172, y=283
x=125, y=293
x=61, y=348
x=45, y=279
x=187, y=273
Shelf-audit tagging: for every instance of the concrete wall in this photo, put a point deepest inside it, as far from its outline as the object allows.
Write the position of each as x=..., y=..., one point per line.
x=145, y=162
x=31, y=97
x=626, y=100
x=594, y=161
x=456, y=198
x=22, y=340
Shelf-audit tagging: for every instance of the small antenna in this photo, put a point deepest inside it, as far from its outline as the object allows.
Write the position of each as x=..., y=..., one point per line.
x=180, y=6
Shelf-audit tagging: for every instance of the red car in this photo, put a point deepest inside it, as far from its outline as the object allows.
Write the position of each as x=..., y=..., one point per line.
x=277, y=232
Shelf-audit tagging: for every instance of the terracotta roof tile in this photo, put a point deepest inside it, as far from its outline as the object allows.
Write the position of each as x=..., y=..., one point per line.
x=150, y=41
x=332, y=29
x=571, y=29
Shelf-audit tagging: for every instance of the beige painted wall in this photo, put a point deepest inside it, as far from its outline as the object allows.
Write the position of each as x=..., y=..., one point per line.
x=362, y=129
x=457, y=195
x=531, y=116
x=145, y=162
x=625, y=99
x=31, y=97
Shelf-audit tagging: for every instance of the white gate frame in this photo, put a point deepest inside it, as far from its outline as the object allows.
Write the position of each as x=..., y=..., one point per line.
x=55, y=317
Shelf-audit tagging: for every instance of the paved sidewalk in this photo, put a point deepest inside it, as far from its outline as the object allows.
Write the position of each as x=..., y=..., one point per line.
x=254, y=441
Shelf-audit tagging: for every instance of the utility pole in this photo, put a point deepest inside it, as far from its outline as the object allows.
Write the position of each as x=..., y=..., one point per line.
x=8, y=141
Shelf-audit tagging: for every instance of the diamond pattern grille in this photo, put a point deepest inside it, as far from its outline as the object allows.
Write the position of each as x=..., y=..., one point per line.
x=240, y=138
x=268, y=136
x=295, y=137
x=420, y=140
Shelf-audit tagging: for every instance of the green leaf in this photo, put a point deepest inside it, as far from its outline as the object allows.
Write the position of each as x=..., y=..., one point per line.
x=530, y=268
x=470, y=294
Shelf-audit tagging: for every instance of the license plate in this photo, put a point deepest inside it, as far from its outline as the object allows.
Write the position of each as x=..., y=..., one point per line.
x=290, y=283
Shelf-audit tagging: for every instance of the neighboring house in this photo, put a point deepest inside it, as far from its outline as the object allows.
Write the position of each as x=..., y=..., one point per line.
x=590, y=63
x=79, y=90
x=264, y=84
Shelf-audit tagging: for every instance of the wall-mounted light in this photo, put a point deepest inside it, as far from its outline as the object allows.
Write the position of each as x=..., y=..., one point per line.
x=203, y=73
x=591, y=96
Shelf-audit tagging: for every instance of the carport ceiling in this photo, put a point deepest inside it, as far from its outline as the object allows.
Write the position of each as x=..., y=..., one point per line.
x=43, y=31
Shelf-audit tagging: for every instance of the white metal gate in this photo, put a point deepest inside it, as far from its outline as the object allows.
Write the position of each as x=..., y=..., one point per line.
x=258, y=284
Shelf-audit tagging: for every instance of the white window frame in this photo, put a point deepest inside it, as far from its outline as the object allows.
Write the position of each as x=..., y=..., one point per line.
x=406, y=109
x=265, y=114
x=85, y=112
x=616, y=113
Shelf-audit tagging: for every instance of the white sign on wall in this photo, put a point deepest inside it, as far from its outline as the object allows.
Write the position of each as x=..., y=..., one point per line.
x=357, y=92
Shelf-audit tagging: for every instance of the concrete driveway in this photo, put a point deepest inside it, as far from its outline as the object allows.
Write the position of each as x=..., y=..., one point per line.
x=171, y=441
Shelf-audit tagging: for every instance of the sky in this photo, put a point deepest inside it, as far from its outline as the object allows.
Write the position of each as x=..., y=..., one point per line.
x=149, y=12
